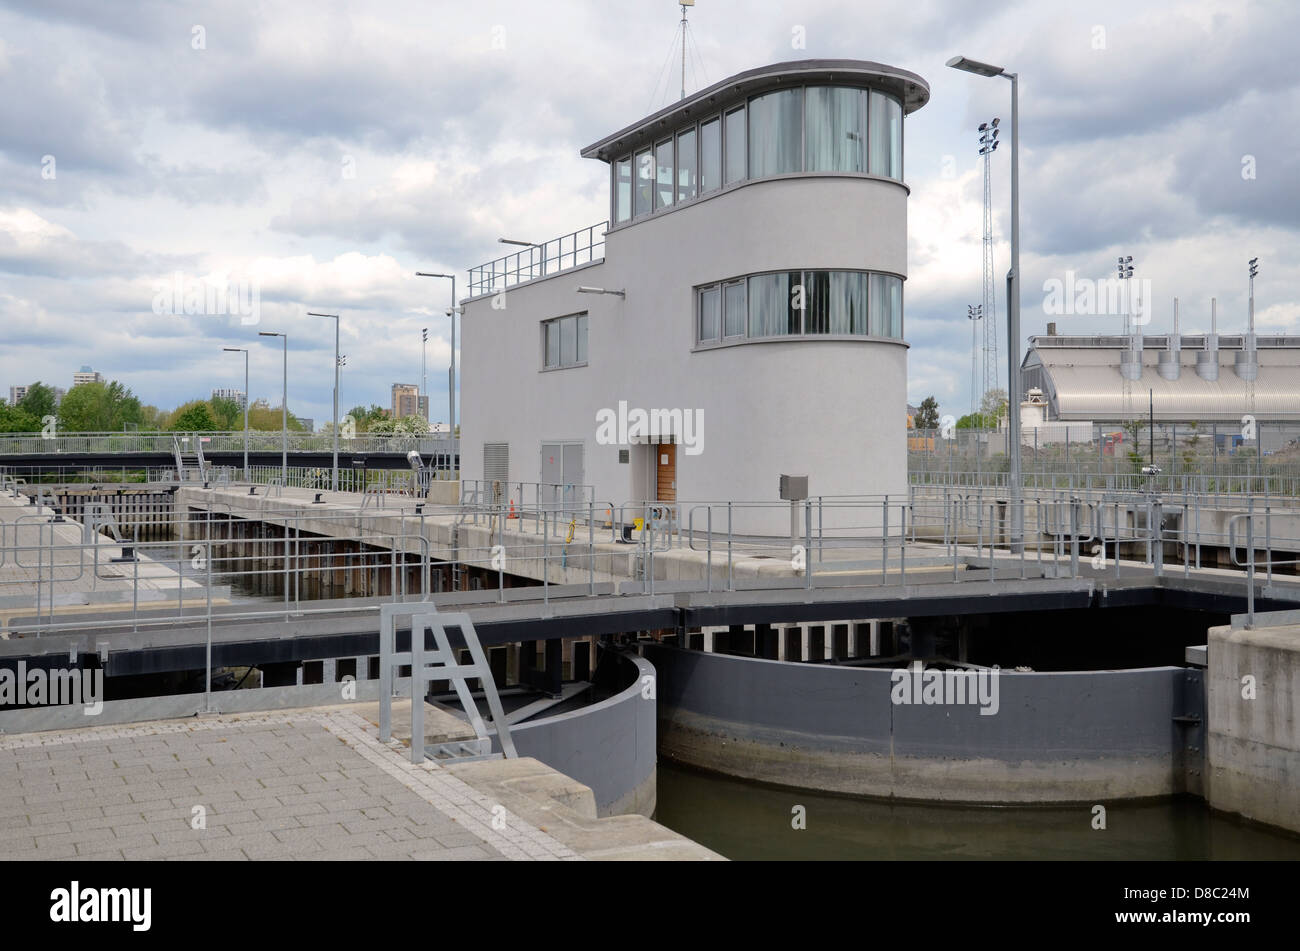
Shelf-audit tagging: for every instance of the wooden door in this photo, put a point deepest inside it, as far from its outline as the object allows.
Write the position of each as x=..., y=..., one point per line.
x=666, y=472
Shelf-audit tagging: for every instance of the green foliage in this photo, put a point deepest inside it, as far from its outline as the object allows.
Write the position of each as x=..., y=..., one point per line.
x=366, y=418
x=977, y=421
x=226, y=414
x=994, y=405
x=192, y=417
x=407, y=426
x=99, y=408
x=39, y=402
x=928, y=415
x=14, y=419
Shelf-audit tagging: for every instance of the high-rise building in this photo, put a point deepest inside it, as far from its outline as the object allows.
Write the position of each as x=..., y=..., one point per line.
x=407, y=401
x=87, y=375
x=18, y=393
x=226, y=393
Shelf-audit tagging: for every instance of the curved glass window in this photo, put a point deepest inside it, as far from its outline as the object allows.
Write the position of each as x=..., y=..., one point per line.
x=710, y=155
x=776, y=133
x=686, y=165
x=735, y=145
x=801, y=303
x=664, y=174
x=813, y=129
x=835, y=136
x=886, y=136
x=623, y=189
x=642, y=200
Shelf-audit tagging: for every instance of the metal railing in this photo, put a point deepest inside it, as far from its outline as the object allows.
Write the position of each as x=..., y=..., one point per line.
x=209, y=442
x=287, y=545
x=583, y=246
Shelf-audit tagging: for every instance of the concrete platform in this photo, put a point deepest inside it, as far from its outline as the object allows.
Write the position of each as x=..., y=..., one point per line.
x=301, y=784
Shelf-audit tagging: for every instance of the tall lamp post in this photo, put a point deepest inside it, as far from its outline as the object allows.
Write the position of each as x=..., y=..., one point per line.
x=424, y=373
x=334, y=475
x=284, y=409
x=451, y=378
x=1013, y=298
x=245, y=353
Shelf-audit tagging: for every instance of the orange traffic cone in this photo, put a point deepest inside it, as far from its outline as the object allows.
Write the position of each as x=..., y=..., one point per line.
x=512, y=511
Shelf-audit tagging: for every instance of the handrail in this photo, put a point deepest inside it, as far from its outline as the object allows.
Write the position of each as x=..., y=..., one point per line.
x=539, y=260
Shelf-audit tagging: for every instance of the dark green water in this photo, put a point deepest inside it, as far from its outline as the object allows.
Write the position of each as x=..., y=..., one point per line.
x=745, y=821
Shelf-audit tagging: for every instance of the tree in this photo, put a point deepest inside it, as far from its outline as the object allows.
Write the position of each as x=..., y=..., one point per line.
x=928, y=416
x=262, y=416
x=15, y=419
x=193, y=417
x=994, y=404
x=99, y=408
x=227, y=415
x=39, y=401
x=365, y=418
x=407, y=426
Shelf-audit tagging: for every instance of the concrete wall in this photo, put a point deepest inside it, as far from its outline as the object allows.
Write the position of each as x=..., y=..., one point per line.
x=827, y=408
x=608, y=746
x=1057, y=737
x=1253, y=746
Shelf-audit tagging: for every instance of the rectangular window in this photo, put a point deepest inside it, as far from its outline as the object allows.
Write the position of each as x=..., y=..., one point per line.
x=835, y=133
x=565, y=340
x=710, y=313
x=568, y=341
x=686, y=165
x=735, y=145
x=711, y=155
x=642, y=200
x=552, y=330
x=664, y=174
x=733, y=309
x=886, y=136
x=623, y=189
x=776, y=133
x=771, y=305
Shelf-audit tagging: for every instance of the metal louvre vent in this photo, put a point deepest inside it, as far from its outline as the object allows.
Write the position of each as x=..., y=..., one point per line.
x=496, y=461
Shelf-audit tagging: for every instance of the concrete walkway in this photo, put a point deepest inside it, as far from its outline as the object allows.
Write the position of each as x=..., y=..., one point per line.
x=304, y=784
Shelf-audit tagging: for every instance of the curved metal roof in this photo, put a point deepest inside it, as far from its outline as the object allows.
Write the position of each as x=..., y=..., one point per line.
x=911, y=90
x=1085, y=384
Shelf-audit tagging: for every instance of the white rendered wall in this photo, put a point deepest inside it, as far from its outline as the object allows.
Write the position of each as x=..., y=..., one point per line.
x=831, y=409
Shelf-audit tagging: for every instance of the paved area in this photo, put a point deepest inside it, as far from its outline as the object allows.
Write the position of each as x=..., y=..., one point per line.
x=312, y=784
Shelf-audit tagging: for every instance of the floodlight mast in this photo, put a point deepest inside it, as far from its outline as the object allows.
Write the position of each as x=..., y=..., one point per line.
x=1016, y=490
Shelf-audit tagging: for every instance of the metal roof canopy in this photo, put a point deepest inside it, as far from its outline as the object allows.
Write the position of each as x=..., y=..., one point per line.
x=1082, y=383
x=911, y=90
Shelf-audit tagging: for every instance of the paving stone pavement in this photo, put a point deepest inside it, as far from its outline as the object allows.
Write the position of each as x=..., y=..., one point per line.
x=311, y=784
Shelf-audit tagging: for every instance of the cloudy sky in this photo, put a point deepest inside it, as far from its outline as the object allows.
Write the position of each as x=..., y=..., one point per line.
x=324, y=151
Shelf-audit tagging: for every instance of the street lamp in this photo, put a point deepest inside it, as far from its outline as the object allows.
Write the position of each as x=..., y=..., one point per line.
x=974, y=312
x=451, y=376
x=334, y=475
x=528, y=244
x=1254, y=271
x=424, y=373
x=1124, y=270
x=245, y=353
x=1013, y=297
x=284, y=409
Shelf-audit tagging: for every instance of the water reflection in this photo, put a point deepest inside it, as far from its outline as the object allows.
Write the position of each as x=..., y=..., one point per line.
x=744, y=821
